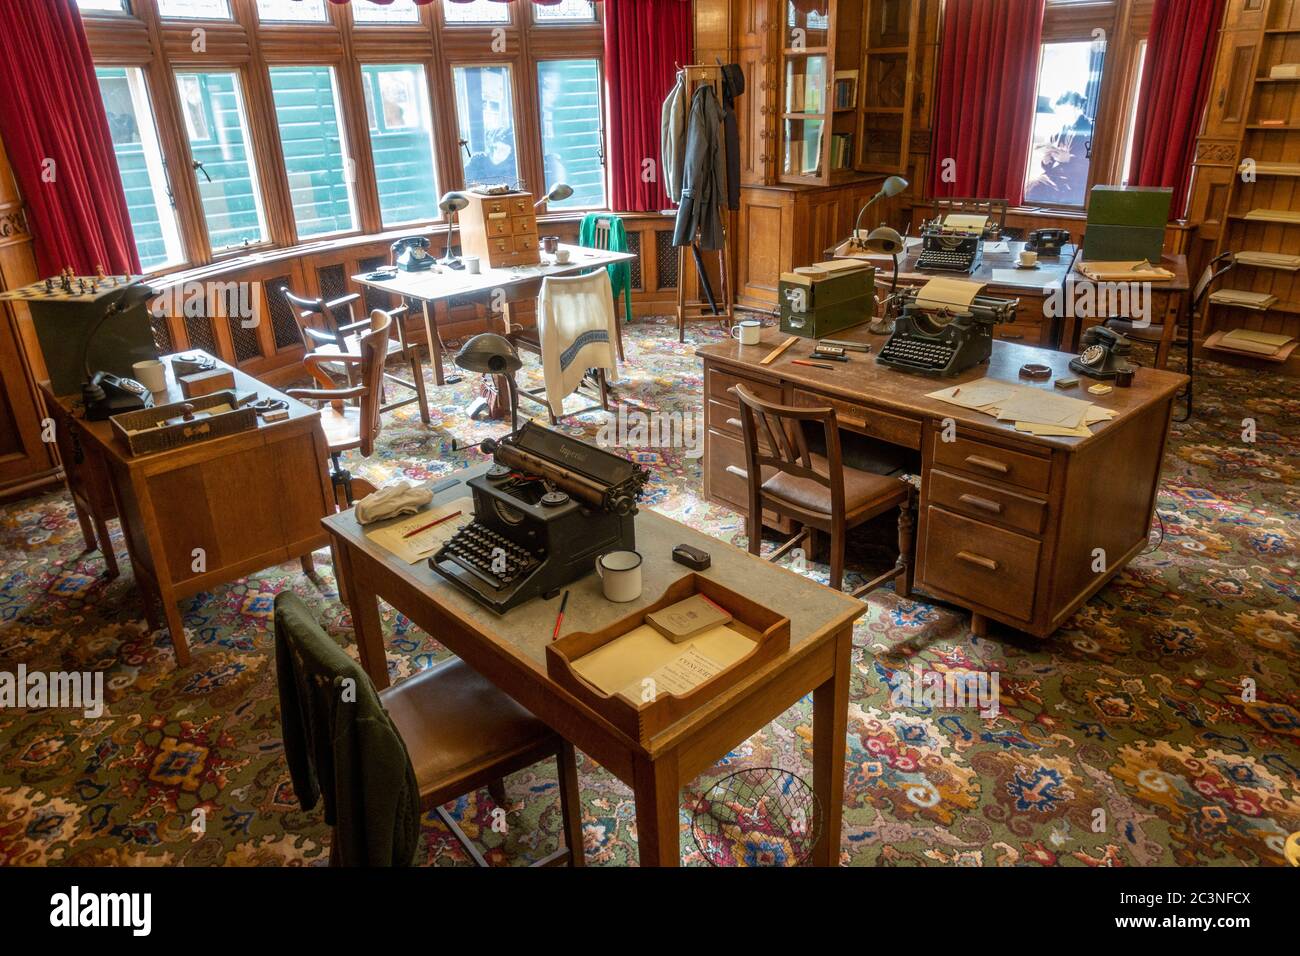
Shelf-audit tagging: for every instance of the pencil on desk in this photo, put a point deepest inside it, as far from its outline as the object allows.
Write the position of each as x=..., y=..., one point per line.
x=776, y=352
x=431, y=524
x=559, y=618
x=810, y=364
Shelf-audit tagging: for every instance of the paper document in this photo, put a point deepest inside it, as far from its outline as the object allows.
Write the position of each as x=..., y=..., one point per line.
x=955, y=295
x=393, y=535
x=638, y=655
x=969, y=224
x=1031, y=410
x=977, y=395
x=1025, y=278
x=1037, y=407
x=1001, y=247
x=681, y=675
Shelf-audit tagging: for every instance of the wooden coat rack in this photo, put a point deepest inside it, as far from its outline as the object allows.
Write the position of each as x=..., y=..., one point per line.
x=697, y=73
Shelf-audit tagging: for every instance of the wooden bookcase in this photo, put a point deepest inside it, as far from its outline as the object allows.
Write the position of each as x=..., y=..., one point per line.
x=1262, y=208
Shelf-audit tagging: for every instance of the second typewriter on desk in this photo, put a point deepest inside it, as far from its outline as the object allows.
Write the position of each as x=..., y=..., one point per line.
x=942, y=342
x=548, y=507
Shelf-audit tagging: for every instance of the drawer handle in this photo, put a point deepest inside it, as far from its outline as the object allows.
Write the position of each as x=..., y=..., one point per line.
x=979, y=560
x=975, y=501
x=988, y=464
x=738, y=472
x=734, y=422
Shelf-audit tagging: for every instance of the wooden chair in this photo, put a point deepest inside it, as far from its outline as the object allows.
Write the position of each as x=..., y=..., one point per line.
x=1154, y=334
x=460, y=732
x=323, y=334
x=351, y=426
x=817, y=491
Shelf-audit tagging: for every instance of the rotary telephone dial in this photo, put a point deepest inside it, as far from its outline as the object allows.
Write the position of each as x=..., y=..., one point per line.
x=1104, y=353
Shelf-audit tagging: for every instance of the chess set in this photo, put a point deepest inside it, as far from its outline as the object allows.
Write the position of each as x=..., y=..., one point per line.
x=67, y=286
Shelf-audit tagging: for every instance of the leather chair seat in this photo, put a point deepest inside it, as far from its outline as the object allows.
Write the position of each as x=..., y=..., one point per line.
x=863, y=490
x=455, y=723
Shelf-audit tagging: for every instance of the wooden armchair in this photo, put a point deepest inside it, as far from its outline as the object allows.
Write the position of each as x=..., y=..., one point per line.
x=323, y=334
x=351, y=426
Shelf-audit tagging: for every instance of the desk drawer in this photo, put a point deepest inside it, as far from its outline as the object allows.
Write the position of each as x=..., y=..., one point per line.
x=719, y=383
x=726, y=452
x=979, y=563
x=498, y=227
x=869, y=421
x=993, y=461
x=525, y=243
x=986, y=502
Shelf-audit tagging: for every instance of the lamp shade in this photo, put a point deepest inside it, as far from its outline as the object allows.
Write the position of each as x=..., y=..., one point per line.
x=884, y=240
x=490, y=354
x=893, y=186
x=559, y=192
x=453, y=202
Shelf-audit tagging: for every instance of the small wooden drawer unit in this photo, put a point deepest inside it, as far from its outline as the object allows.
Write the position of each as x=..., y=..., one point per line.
x=500, y=230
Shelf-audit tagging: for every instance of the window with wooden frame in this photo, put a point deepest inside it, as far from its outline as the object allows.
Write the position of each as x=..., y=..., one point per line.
x=279, y=121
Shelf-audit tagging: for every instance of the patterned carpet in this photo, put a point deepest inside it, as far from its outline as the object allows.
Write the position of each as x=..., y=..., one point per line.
x=1127, y=739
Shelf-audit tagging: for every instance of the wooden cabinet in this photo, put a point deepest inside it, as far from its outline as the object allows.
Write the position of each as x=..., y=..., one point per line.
x=1234, y=70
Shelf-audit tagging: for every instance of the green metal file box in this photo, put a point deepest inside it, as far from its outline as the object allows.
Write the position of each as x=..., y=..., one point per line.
x=835, y=296
x=1126, y=222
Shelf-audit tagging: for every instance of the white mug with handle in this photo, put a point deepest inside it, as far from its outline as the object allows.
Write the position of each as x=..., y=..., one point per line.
x=747, y=332
x=620, y=575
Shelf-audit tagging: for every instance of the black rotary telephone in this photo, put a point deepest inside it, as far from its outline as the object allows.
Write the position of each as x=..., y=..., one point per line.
x=412, y=254
x=1048, y=242
x=107, y=394
x=1104, y=353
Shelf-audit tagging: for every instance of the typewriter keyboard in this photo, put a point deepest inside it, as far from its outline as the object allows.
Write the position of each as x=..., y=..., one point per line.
x=945, y=260
x=490, y=556
x=916, y=352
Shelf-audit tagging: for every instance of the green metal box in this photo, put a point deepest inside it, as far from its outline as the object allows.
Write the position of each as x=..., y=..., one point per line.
x=817, y=305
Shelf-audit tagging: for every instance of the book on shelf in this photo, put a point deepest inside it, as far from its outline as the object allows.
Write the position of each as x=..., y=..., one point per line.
x=845, y=94
x=841, y=150
x=1285, y=71
x=1273, y=215
x=1269, y=260
x=1243, y=299
x=1249, y=340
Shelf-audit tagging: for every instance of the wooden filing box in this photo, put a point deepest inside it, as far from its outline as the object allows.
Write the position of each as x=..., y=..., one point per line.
x=500, y=230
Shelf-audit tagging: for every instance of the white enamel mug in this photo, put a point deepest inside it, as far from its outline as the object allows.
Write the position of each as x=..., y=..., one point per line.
x=620, y=575
x=747, y=332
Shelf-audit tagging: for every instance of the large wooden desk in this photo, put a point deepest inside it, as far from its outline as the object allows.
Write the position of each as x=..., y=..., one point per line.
x=1008, y=523
x=510, y=650
x=1033, y=325
x=203, y=514
x=436, y=287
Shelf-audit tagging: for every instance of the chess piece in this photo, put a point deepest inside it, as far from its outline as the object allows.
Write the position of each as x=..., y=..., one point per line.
x=49, y=285
x=99, y=272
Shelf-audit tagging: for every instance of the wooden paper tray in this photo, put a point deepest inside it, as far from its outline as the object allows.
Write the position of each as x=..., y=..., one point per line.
x=141, y=432
x=768, y=630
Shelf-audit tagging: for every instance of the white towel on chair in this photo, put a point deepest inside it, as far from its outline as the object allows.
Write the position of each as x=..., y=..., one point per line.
x=575, y=323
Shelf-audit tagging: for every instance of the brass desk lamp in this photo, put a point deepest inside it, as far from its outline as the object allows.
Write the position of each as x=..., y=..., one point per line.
x=890, y=188
x=450, y=204
x=492, y=354
x=885, y=241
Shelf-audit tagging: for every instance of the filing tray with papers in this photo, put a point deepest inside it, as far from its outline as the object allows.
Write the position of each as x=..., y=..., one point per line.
x=941, y=336
x=542, y=514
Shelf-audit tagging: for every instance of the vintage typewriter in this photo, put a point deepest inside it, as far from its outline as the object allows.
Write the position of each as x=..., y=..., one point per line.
x=548, y=507
x=943, y=342
x=952, y=244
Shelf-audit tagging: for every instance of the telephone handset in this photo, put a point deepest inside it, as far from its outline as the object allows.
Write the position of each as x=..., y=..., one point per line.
x=1048, y=242
x=107, y=394
x=412, y=254
x=1104, y=353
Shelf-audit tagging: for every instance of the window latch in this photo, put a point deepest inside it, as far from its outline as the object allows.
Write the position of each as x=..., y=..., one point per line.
x=197, y=166
x=464, y=144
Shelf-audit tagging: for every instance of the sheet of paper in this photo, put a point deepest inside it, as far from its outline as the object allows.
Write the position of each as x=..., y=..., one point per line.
x=1024, y=278
x=942, y=292
x=1001, y=247
x=679, y=676
x=1054, y=431
x=392, y=535
x=978, y=395
x=640, y=652
x=964, y=222
x=1038, y=407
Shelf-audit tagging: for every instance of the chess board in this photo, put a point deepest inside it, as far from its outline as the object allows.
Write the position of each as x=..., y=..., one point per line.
x=80, y=289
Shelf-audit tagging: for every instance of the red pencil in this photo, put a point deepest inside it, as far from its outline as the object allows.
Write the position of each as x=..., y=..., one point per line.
x=431, y=524
x=559, y=618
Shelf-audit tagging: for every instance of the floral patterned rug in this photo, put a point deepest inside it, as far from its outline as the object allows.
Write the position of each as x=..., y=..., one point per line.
x=1160, y=726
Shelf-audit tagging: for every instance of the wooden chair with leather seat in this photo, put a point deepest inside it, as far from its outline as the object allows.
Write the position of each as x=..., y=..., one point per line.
x=349, y=426
x=461, y=734
x=817, y=492
x=1153, y=334
x=323, y=334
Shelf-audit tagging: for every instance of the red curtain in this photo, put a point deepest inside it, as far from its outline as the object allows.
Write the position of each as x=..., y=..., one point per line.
x=645, y=41
x=1176, y=81
x=55, y=132
x=423, y=3
x=985, y=98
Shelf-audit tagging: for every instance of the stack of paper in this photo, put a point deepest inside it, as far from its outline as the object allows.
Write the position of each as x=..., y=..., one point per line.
x=953, y=295
x=1248, y=340
x=1244, y=299
x=417, y=536
x=1032, y=410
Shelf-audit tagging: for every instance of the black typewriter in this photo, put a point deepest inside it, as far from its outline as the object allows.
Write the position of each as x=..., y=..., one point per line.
x=548, y=507
x=949, y=251
x=941, y=342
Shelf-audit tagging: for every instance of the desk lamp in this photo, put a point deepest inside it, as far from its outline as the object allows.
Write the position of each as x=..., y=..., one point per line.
x=557, y=193
x=450, y=204
x=890, y=188
x=492, y=354
x=885, y=241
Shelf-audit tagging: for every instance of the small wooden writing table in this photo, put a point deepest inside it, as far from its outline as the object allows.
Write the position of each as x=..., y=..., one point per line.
x=435, y=287
x=204, y=513
x=510, y=650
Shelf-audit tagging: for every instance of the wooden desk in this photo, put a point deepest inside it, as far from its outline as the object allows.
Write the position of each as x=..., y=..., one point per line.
x=1008, y=522
x=1033, y=325
x=510, y=650
x=206, y=513
x=434, y=288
